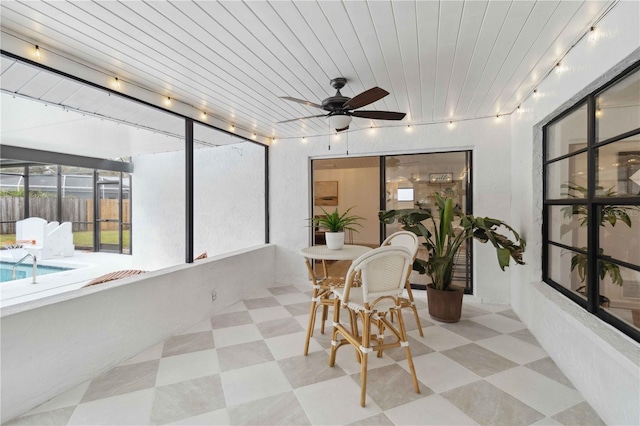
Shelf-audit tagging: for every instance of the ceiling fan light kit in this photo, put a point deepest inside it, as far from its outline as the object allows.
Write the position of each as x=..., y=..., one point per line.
x=340, y=109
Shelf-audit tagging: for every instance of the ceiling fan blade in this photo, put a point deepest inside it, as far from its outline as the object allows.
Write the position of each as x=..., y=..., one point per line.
x=301, y=101
x=365, y=98
x=301, y=118
x=379, y=115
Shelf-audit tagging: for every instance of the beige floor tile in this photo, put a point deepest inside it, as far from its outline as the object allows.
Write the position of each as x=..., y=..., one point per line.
x=431, y=410
x=579, y=414
x=123, y=379
x=440, y=339
x=268, y=314
x=306, y=370
x=216, y=417
x=498, y=323
x=70, y=398
x=187, y=366
x=255, y=382
x=243, y=355
x=127, y=409
x=182, y=400
x=512, y=348
x=440, y=373
x=185, y=343
x=290, y=345
x=59, y=416
x=281, y=409
x=235, y=335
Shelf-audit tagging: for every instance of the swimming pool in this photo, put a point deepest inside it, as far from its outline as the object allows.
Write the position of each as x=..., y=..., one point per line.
x=25, y=271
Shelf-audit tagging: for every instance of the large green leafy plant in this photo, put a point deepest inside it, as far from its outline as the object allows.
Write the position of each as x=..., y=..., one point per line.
x=446, y=239
x=336, y=222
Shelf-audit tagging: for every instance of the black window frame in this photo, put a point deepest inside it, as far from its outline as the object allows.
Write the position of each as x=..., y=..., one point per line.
x=592, y=203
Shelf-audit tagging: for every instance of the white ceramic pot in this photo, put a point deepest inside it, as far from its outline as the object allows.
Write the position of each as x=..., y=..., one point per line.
x=334, y=240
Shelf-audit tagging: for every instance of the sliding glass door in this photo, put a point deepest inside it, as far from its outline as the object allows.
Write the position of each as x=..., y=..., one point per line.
x=370, y=184
x=412, y=182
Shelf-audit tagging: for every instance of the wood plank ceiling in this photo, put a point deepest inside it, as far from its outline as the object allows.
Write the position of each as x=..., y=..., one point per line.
x=440, y=61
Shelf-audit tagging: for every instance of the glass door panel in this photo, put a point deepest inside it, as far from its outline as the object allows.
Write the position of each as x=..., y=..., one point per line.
x=411, y=183
x=108, y=217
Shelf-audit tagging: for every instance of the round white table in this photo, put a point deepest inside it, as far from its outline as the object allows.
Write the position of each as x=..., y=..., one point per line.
x=322, y=287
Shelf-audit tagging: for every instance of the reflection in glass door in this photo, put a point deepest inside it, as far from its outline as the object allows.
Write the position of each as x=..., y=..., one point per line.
x=108, y=215
x=412, y=180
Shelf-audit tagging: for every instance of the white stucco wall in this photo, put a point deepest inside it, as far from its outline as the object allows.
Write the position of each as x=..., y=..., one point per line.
x=488, y=138
x=601, y=362
x=51, y=345
x=229, y=203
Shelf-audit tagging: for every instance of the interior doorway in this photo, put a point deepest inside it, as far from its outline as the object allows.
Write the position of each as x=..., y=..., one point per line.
x=370, y=184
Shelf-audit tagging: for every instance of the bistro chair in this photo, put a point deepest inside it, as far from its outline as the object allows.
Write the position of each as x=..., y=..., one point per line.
x=409, y=240
x=383, y=274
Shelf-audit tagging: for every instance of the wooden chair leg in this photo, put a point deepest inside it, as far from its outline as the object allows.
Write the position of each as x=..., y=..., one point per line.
x=312, y=324
x=405, y=343
x=334, y=333
x=366, y=333
x=413, y=306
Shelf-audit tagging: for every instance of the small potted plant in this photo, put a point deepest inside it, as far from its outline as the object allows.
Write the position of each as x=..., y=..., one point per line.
x=445, y=300
x=335, y=225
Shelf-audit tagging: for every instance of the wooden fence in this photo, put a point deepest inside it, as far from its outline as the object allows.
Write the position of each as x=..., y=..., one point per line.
x=74, y=210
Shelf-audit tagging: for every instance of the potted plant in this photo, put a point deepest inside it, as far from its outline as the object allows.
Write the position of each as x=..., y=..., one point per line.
x=335, y=224
x=445, y=300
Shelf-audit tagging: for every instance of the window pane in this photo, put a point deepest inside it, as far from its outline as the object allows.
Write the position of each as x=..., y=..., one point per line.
x=619, y=168
x=43, y=192
x=567, y=135
x=560, y=261
x=77, y=203
x=622, y=298
x=618, y=108
x=567, y=178
x=227, y=174
x=568, y=225
x=11, y=200
x=622, y=241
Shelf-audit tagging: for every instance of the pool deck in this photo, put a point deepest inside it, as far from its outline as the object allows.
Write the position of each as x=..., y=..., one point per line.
x=87, y=266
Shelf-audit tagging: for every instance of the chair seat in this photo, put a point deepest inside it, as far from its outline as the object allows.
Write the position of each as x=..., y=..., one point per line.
x=356, y=300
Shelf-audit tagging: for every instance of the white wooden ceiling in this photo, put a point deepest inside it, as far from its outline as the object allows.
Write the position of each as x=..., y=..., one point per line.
x=440, y=60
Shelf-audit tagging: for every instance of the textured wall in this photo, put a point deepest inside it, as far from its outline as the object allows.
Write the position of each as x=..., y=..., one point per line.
x=602, y=363
x=488, y=138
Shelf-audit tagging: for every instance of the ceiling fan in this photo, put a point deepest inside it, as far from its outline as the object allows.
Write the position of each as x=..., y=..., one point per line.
x=340, y=108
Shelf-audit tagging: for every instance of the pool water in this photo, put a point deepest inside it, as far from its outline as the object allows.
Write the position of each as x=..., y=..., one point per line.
x=25, y=271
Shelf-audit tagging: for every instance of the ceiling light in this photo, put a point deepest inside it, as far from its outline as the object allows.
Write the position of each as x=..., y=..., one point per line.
x=339, y=121
x=253, y=136
x=167, y=101
x=535, y=94
x=451, y=125
x=593, y=34
x=37, y=51
x=204, y=115
x=117, y=83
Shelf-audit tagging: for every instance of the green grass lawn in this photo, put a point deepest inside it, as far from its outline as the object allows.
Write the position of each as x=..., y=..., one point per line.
x=84, y=238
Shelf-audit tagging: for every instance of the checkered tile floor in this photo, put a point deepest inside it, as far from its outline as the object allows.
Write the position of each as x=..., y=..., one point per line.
x=245, y=366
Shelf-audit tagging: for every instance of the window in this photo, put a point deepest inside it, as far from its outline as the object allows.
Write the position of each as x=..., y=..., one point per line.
x=592, y=203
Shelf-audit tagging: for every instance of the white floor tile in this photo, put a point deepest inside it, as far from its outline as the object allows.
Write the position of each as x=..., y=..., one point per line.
x=290, y=299
x=516, y=350
x=268, y=314
x=218, y=417
x=335, y=402
x=154, y=352
x=189, y=366
x=129, y=409
x=235, y=335
x=498, y=323
x=440, y=373
x=432, y=410
x=439, y=339
x=290, y=345
x=254, y=382
x=537, y=391
x=67, y=399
